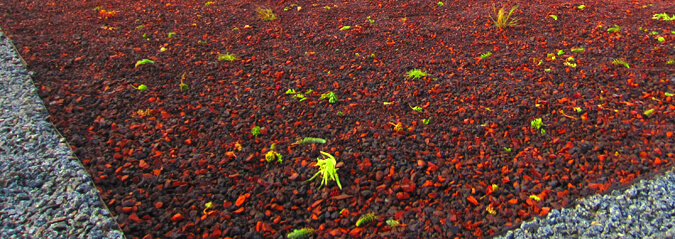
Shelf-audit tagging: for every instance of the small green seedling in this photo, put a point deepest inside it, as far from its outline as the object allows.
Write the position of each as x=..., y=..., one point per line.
x=144, y=61
x=581, y=7
x=486, y=55
x=255, y=131
x=339, y=113
x=345, y=28
x=661, y=39
x=535, y=197
x=560, y=52
x=208, y=4
x=326, y=7
x=620, y=62
x=139, y=27
x=398, y=126
x=365, y=219
x=615, y=28
x=440, y=4
x=332, y=98
x=371, y=21
x=570, y=64
x=537, y=123
x=171, y=34
x=417, y=108
x=310, y=140
x=300, y=233
x=663, y=16
x=290, y=91
x=577, y=50
x=162, y=49
x=141, y=87
x=227, y=57
x=507, y=149
x=653, y=33
x=554, y=17
x=670, y=62
x=648, y=112
x=327, y=170
x=425, y=121
x=272, y=155
x=668, y=94
x=577, y=109
x=183, y=86
x=416, y=74
x=393, y=223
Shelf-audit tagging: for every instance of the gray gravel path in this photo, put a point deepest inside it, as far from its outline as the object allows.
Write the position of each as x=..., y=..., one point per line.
x=45, y=192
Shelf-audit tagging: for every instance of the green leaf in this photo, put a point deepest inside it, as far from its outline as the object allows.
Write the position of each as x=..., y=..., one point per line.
x=579, y=50
x=554, y=17
x=581, y=7
x=300, y=233
x=560, y=52
x=310, y=140
x=142, y=87
x=144, y=61
x=669, y=94
x=345, y=28
x=365, y=219
x=648, y=112
x=255, y=131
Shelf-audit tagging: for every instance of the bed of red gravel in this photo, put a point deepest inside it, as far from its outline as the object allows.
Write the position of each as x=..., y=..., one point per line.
x=174, y=163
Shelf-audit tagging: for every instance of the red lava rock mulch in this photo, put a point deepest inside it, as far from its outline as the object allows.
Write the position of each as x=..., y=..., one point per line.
x=174, y=163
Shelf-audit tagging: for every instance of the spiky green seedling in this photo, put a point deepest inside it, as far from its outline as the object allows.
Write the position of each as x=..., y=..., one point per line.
x=255, y=131
x=332, y=98
x=301, y=233
x=327, y=170
x=416, y=74
x=227, y=57
x=365, y=219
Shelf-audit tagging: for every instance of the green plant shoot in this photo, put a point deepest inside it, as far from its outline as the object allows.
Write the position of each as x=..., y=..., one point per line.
x=417, y=108
x=577, y=50
x=332, y=98
x=620, y=62
x=142, y=87
x=615, y=28
x=486, y=55
x=345, y=28
x=554, y=17
x=255, y=131
x=416, y=74
x=327, y=169
x=227, y=57
x=144, y=61
x=365, y=220
x=300, y=233
x=536, y=123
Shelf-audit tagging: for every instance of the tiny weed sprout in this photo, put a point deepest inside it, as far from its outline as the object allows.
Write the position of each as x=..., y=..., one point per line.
x=536, y=123
x=398, y=126
x=227, y=57
x=554, y=17
x=171, y=34
x=417, y=108
x=486, y=55
x=393, y=223
x=285, y=9
x=162, y=49
x=144, y=61
x=265, y=14
x=142, y=87
x=573, y=65
x=339, y=113
x=208, y=4
x=415, y=74
x=490, y=209
x=345, y=28
x=653, y=33
x=615, y=28
x=365, y=219
x=503, y=19
x=183, y=86
x=648, y=112
x=577, y=50
x=272, y=155
x=577, y=109
x=139, y=27
x=255, y=131
x=327, y=170
x=290, y=91
x=310, y=140
x=535, y=197
x=560, y=52
x=495, y=187
x=661, y=39
x=668, y=94
x=670, y=62
x=371, y=21
x=300, y=233
x=425, y=121
x=581, y=7
x=663, y=16
x=440, y=4
x=507, y=149
x=332, y=98
x=326, y=7
x=620, y=62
